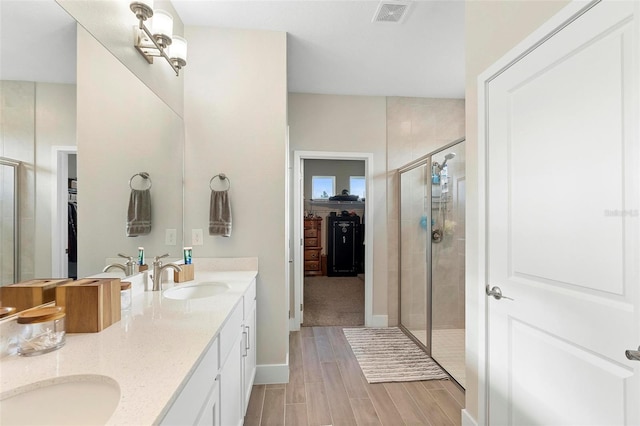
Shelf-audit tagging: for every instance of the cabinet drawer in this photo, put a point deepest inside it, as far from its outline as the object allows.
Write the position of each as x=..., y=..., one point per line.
x=312, y=265
x=311, y=242
x=230, y=331
x=310, y=233
x=312, y=255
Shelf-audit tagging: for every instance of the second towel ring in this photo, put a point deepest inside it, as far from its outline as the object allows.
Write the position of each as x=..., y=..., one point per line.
x=222, y=177
x=143, y=175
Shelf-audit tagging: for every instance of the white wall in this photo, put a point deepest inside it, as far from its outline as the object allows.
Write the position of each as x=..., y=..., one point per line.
x=236, y=123
x=123, y=128
x=55, y=125
x=337, y=123
x=492, y=28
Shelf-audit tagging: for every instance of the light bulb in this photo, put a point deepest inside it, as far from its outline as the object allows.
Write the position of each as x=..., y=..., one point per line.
x=178, y=51
x=162, y=27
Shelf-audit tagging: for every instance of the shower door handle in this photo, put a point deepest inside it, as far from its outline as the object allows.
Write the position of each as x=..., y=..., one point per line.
x=633, y=355
x=496, y=293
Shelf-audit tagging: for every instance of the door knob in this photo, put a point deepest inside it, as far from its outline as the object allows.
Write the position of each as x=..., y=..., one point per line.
x=633, y=355
x=496, y=293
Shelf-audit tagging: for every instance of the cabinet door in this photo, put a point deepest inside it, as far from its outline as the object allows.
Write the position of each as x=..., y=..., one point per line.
x=187, y=407
x=231, y=386
x=249, y=359
x=210, y=413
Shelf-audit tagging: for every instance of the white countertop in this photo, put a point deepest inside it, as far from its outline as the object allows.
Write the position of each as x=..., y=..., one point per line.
x=150, y=353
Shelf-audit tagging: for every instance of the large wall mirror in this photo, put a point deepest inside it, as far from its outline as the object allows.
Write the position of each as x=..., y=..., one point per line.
x=81, y=129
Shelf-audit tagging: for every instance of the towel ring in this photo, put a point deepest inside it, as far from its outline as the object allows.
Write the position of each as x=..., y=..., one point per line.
x=143, y=175
x=221, y=176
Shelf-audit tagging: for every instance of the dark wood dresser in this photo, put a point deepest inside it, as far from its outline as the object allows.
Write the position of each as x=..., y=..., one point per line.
x=312, y=246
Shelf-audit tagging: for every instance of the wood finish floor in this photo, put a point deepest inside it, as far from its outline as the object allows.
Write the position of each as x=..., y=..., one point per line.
x=327, y=387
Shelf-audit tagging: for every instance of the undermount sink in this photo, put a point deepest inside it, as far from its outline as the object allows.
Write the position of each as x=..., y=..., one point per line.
x=196, y=291
x=67, y=400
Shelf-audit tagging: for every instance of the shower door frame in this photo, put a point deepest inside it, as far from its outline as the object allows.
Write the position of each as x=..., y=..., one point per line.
x=424, y=160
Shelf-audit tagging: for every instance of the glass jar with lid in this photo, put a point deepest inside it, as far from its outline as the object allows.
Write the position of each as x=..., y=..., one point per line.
x=42, y=330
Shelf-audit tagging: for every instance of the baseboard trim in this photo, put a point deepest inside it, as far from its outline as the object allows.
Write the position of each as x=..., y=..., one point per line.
x=379, y=321
x=467, y=420
x=269, y=374
x=293, y=325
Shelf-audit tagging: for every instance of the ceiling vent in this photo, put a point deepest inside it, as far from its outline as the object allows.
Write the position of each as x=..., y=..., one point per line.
x=391, y=11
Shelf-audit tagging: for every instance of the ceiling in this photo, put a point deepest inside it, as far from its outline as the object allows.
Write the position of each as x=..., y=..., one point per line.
x=333, y=46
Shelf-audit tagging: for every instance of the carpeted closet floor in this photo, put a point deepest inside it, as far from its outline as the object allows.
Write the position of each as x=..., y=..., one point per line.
x=330, y=301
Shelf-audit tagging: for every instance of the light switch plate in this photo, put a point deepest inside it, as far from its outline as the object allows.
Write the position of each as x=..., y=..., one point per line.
x=196, y=237
x=170, y=237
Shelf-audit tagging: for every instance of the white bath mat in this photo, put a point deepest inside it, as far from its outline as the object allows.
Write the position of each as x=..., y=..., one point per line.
x=388, y=355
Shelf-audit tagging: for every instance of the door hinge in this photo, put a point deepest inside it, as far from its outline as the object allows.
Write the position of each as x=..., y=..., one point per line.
x=301, y=307
x=301, y=243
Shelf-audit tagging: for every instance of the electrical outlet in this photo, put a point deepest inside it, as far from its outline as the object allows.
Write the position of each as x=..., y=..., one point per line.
x=170, y=237
x=196, y=237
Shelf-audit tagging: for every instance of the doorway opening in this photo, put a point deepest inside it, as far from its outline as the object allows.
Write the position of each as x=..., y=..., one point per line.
x=334, y=194
x=64, y=218
x=334, y=259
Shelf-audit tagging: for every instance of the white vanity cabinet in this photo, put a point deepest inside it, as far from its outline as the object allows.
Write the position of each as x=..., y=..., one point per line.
x=249, y=360
x=218, y=391
x=238, y=352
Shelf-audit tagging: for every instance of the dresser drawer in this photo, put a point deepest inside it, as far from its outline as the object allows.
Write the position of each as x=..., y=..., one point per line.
x=312, y=254
x=311, y=265
x=311, y=242
x=311, y=233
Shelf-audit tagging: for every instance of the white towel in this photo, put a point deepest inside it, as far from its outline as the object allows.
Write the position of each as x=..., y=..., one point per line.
x=139, y=213
x=220, y=214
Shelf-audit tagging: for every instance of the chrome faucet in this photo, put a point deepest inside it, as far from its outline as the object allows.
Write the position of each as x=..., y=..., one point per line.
x=158, y=267
x=129, y=268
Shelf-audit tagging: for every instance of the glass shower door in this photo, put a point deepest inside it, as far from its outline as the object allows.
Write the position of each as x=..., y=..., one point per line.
x=432, y=255
x=448, y=260
x=414, y=250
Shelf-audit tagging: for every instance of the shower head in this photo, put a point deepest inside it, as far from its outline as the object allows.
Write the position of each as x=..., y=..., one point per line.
x=449, y=156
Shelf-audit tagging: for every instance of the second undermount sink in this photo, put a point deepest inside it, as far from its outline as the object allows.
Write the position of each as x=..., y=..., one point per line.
x=196, y=291
x=67, y=400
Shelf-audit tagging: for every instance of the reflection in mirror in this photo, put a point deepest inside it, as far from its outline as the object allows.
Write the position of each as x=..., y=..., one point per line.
x=9, y=223
x=123, y=129
x=121, y=126
x=37, y=113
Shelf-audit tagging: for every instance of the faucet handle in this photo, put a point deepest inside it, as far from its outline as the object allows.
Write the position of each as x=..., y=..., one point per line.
x=157, y=258
x=130, y=258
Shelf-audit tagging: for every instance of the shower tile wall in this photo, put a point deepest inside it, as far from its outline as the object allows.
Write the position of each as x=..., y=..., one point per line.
x=415, y=127
x=448, y=255
x=17, y=141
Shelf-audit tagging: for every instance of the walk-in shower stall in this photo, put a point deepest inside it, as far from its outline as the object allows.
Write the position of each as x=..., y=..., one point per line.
x=432, y=255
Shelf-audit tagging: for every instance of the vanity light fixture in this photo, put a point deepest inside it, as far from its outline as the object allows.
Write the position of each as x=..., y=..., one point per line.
x=159, y=41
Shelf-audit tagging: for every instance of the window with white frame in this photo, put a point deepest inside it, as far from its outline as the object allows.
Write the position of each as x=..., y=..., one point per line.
x=357, y=186
x=323, y=187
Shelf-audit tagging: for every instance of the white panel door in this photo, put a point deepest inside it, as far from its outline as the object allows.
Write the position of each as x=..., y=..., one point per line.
x=563, y=239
